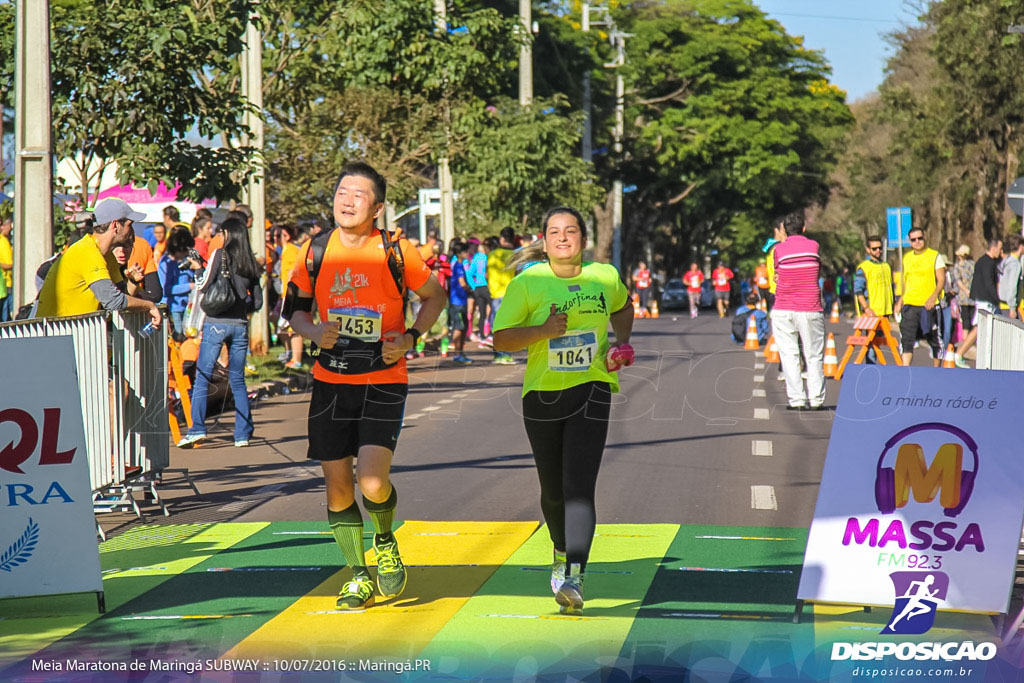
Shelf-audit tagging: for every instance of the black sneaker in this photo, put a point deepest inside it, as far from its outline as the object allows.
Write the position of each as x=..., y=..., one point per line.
x=391, y=575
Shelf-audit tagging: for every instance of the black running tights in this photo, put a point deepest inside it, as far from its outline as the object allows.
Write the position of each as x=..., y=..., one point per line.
x=567, y=431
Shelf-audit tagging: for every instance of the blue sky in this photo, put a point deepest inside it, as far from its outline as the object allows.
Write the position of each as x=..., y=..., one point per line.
x=850, y=33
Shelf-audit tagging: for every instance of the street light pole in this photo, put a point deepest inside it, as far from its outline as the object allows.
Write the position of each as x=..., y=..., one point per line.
x=33, y=174
x=444, y=171
x=588, y=131
x=252, y=90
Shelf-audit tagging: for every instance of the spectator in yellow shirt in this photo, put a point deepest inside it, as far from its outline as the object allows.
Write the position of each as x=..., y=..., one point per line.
x=81, y=281
x=7, y=268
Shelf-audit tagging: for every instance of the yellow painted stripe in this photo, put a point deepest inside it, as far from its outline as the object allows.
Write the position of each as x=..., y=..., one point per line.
x=133, y=563
x=447, y=563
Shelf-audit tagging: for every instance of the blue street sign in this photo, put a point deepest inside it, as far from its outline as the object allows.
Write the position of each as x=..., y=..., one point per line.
x=898, y=220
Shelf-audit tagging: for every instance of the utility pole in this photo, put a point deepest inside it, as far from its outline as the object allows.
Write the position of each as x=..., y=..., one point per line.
x=525, y=54
x=619, y=40
x=252, y=90
x=33, y=174
x=588, y=124
x=444, y=171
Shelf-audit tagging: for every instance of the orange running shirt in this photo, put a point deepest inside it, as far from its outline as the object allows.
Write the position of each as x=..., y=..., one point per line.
x=360, y=278
x=142, y=255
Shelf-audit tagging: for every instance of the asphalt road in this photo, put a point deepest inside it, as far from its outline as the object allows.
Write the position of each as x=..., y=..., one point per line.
x=700, y=435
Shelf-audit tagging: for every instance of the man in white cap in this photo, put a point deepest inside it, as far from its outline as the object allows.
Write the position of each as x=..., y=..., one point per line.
x=82, y=279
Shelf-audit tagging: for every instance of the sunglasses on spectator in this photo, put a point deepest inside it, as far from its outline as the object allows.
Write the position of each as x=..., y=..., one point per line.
x=875, y=248
x=917, y=239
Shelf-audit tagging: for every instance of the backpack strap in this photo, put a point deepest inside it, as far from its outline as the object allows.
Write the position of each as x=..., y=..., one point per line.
x=396, y=262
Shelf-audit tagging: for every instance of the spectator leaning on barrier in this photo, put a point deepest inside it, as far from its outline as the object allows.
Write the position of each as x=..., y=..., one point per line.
x=984, y=292
x=1010, y=273
x=139, y=275
x=924, y=277
x=797, y=317
x=81, y=280
x=6, y=272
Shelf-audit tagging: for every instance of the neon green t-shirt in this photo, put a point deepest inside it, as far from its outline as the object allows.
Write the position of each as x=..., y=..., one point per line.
x=588, y=299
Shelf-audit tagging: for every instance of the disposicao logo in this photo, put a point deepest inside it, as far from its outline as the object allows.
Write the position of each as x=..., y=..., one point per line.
x=918, y=595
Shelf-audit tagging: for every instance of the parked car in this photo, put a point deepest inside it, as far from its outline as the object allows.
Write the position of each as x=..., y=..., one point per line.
x=674, y=295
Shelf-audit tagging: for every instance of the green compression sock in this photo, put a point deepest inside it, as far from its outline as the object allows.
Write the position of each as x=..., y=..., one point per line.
x=383, y=515
x=347, y=527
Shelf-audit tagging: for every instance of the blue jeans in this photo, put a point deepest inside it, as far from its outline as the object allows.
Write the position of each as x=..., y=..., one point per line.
x=178, y=322
x=946, y=328
x=237, y=338
x=7, y=307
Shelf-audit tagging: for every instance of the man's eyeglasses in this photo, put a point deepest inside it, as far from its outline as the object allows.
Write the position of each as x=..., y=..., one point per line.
x=917, y=239
x=875, y=248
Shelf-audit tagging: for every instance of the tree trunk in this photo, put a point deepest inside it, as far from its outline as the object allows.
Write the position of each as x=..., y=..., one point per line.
x=603, y=226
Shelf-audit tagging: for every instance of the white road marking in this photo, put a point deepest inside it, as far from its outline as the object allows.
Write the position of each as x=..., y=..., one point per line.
x=763, y=498
x=761, y=414
x=759, y=366
x=430, y=409
x=759, y=393
x=413, y=416
x=758, y=379
x=761, y=448
x=461, y=394
x=445, y=402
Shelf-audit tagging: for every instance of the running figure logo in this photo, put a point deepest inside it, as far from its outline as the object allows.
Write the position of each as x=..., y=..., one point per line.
x=918, y=595
x=344, y=284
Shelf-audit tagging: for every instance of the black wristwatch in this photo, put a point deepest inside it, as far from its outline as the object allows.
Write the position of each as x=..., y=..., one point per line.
x=415, y=335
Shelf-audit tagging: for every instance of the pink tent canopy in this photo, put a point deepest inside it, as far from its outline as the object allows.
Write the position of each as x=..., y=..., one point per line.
x=140, y=195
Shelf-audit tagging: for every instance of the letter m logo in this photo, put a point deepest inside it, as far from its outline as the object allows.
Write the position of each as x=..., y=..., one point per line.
x=944, y=474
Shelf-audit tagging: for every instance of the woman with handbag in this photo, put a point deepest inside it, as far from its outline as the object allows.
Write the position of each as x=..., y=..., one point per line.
x=230, y=292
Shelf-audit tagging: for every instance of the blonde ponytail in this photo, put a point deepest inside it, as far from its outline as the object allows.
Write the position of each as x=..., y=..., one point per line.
x=531, y=253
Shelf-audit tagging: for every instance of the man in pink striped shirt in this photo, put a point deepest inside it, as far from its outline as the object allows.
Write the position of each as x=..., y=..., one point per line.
x=797, y=317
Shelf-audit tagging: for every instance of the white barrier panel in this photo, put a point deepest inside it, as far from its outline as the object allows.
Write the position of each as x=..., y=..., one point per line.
x=1000, y=342
x=123, y=389
x=922, y=477
x=47, y=539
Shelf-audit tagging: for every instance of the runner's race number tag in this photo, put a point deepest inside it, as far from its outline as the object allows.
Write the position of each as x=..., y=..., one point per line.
x=357, y=323
x=572, y=352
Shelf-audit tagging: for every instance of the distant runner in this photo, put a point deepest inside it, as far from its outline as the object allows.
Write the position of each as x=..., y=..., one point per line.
x=560, y=311
x=693, y=279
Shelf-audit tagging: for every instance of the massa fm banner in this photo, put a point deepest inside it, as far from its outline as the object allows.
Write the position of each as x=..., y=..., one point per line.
x=47, y=528
x=922, y=495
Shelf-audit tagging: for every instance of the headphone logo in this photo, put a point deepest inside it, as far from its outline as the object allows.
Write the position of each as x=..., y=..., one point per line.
x=945, y=475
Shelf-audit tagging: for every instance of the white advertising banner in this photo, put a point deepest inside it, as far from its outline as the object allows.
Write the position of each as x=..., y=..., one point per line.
x=922, y=494
x=47, y=528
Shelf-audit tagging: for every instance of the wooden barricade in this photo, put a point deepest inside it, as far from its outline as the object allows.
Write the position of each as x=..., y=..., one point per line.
x=870, y=331
x=180, y=382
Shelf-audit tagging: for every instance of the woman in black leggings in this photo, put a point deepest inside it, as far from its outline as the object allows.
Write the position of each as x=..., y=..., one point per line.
x=559, y=309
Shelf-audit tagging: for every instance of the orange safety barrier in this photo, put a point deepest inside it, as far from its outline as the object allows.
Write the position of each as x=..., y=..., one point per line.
x=870, y=331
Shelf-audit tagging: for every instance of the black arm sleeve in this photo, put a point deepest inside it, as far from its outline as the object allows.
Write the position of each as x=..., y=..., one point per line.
x=150, y=289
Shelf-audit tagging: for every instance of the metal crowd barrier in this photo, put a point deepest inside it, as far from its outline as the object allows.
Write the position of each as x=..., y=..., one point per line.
x=1000, y=343
x=127, y=438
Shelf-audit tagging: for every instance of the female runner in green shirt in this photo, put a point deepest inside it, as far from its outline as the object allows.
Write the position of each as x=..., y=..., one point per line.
x=560, y=310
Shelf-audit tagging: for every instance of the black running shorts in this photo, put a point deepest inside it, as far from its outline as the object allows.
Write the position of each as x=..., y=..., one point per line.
x=345, y=417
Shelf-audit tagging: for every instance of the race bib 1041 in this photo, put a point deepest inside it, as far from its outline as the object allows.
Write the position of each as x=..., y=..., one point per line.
x=357, y=323
x=574, y=351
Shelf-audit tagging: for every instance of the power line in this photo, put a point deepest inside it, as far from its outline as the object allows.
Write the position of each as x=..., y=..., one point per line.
x=835, y=18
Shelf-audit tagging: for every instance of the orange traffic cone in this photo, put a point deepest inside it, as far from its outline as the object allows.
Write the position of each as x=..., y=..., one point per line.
x=835, y=313
x=949, y=360
x=637, y=313
x=831, y=359
x=762, y=305
x=771, y=351
x=654, y=309
x=751, y=341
